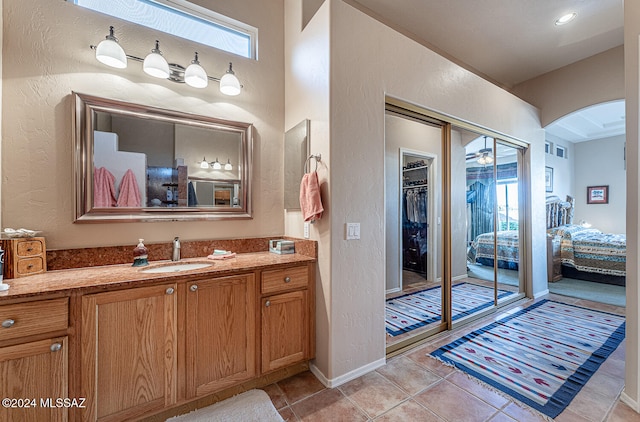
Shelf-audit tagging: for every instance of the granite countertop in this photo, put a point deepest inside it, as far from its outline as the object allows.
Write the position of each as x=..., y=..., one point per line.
x=124, y=275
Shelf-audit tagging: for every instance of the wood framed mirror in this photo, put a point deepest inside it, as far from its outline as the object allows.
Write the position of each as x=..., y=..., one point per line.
x=138, y=163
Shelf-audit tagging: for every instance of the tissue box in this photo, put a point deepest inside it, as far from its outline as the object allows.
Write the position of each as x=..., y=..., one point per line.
x=281, y=246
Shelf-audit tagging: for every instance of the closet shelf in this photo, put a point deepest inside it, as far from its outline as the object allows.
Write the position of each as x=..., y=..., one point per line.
x=416, y=168
x=415, y=186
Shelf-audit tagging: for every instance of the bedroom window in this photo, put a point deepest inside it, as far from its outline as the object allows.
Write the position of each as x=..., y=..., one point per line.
x=182, y=19
x=548, y=147
x=561, y=152
x=507, y=192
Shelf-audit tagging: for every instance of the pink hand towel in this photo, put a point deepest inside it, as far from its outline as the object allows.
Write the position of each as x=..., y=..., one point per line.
x=310, y=201
x=104, y=192
x=129, y=195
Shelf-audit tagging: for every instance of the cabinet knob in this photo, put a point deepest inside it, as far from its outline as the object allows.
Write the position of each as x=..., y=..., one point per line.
x=170, y=291
x=287, y=279
x=55, y=347
x=267, y=303
x=8, y=323
x=193, y=287
x=29, y=249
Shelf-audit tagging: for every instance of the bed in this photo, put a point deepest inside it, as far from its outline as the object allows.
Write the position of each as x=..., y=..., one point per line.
x=589, y=254
x=586, y=253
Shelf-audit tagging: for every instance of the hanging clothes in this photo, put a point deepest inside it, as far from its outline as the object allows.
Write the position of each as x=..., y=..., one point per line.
x=415, y=201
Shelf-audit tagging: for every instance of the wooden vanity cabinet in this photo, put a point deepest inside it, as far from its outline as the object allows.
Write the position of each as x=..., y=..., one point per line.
x=286, y=316
x=220, y=333
x=129, y=352
x=144, y=349
x=34, y=360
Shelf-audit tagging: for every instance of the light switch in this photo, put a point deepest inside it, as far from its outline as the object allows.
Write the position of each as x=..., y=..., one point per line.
x=306, y=229
x=353, y=231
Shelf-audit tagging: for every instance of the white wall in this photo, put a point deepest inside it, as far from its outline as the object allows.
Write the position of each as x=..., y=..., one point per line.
x=594, y=80
x=563, y=168
x=46, y=56
x=365, y=65
x=307, y=97
x=601, y=162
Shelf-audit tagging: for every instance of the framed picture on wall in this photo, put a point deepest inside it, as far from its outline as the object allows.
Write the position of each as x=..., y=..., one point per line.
x=598, y=194
x=548, y=179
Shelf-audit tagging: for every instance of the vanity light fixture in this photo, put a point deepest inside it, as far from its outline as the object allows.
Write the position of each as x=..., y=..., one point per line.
x=155, y=64
x=204, y=164
x=110, y=52
x=228, y=166
x=195, y=75
x=216, y=165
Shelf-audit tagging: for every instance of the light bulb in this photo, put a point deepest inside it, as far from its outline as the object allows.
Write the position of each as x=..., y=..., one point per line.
x=229, y=84
x=109, y=52
x=156, y=65
x=195, y=75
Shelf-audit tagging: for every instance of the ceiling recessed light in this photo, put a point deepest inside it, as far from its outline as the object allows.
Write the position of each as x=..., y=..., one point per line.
x=566, y=18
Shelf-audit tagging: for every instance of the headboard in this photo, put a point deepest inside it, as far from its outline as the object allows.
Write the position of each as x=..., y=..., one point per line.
x=559, y=212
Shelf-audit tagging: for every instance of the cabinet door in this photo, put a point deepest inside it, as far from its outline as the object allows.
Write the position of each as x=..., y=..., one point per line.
x=285, y=330
x=220, y=333
x=32, y=373
x=129, y=346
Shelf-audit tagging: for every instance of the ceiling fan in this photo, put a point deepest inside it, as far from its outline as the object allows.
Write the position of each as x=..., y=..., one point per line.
x=482, y=156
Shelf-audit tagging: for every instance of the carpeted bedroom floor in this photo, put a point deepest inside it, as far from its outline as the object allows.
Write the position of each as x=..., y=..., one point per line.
x=580, y=289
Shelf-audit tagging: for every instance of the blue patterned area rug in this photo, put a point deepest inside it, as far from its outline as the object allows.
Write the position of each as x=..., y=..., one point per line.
x=542, y=355
x=414, y=310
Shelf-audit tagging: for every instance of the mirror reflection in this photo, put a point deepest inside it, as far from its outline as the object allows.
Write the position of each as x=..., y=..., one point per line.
x=151, y=163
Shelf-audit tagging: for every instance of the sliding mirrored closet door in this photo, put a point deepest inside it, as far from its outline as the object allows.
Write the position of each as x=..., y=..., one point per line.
x=454, y=226
x=491, y=234
x=414, y=300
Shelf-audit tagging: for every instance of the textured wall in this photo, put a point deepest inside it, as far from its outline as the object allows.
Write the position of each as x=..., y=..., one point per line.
x=46, y=56
x=594, y=80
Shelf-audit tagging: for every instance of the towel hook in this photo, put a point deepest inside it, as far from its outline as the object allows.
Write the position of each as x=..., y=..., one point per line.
x=317, y=157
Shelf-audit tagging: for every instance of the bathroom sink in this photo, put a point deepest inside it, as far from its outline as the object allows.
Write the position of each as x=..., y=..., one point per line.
x=177, y=267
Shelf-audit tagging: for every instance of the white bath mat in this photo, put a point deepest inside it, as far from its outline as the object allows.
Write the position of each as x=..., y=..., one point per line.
x=250, y=406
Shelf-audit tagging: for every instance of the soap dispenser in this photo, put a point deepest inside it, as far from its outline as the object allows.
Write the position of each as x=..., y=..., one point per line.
x=140, y=255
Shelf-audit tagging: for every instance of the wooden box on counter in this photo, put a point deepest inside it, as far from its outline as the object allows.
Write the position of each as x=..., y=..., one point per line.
x=24, y=256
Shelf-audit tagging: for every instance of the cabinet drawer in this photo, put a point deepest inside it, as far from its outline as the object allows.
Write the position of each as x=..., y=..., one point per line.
x=274, y=281
x=29, y=248
x=26, y=319
x=27, y=266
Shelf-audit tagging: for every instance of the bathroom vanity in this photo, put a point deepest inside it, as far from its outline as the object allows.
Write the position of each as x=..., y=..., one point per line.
x=123, y=343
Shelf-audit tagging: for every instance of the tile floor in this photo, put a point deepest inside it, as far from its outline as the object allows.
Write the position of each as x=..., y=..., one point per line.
x=414, y=387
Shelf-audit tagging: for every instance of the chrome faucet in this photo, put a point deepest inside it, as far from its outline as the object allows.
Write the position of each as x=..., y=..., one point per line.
x=175, y=256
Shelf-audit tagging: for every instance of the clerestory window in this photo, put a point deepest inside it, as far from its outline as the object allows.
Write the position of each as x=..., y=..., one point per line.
x=183, y=19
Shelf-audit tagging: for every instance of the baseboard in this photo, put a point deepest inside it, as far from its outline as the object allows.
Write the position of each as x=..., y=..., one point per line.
x=459, y=277
x=626, y=399
x=540, y=294
x=342, y=379
x=394, y=290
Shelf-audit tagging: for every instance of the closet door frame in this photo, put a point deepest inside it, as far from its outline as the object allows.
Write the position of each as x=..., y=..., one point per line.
x=432, y=217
